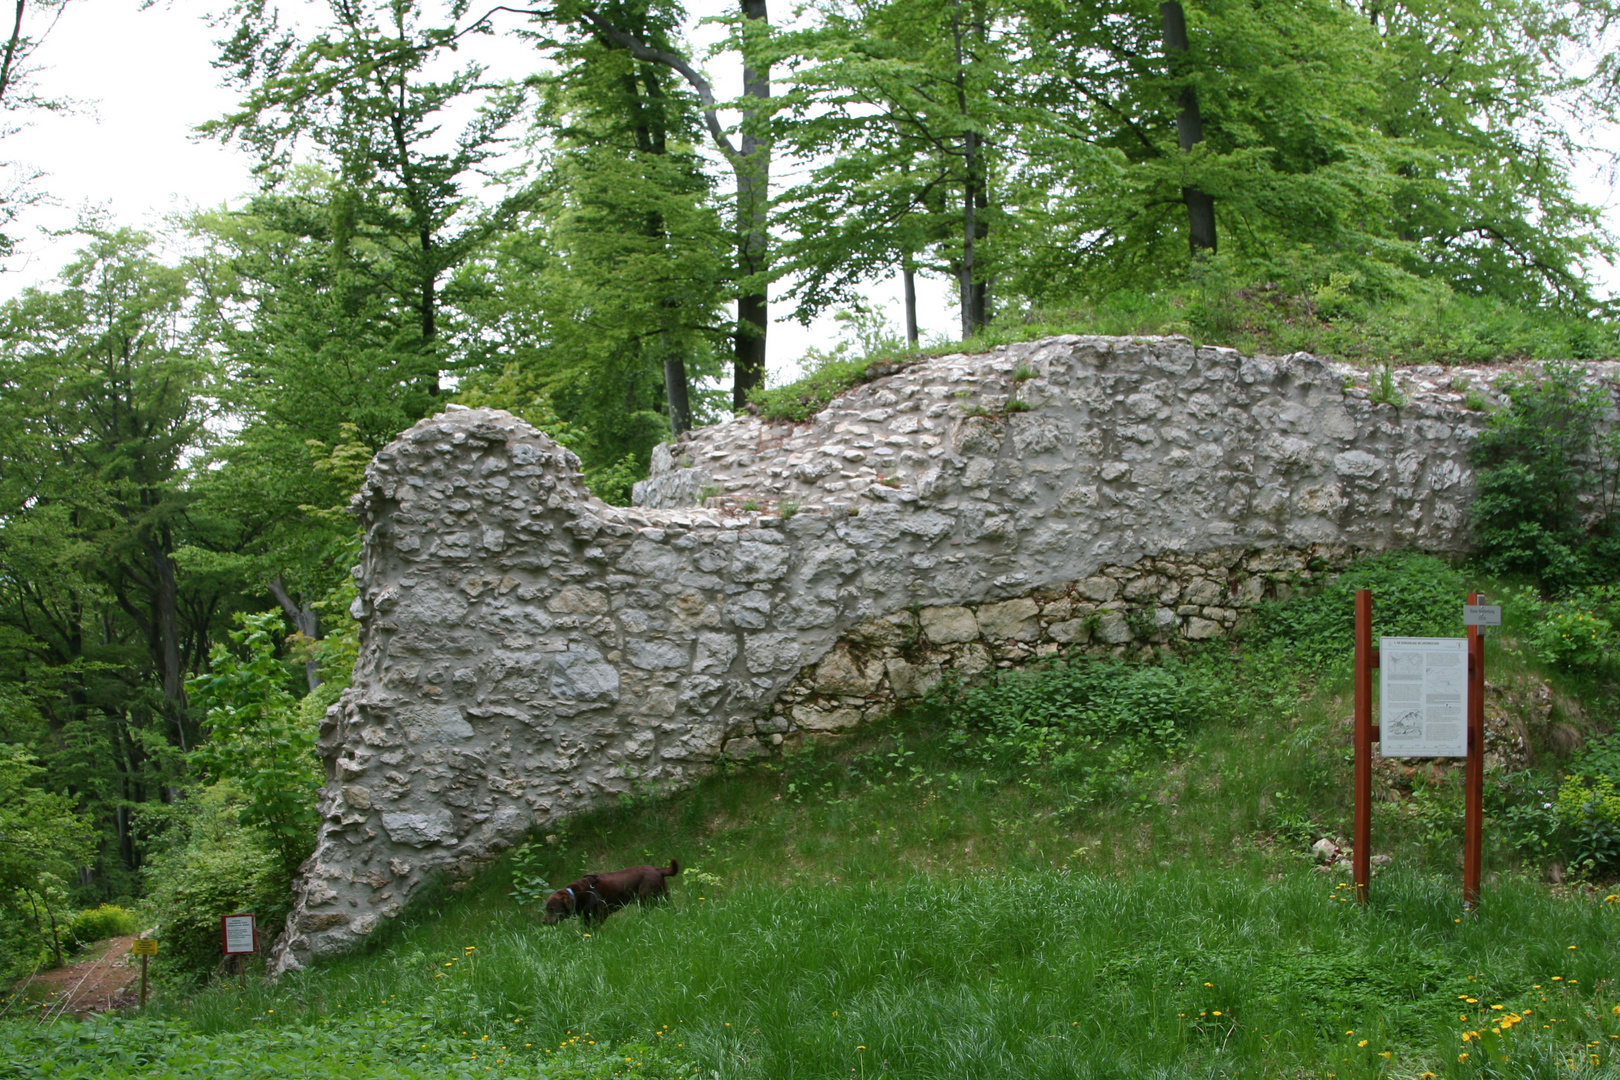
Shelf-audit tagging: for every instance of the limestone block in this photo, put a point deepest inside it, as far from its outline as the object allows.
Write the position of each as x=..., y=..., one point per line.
x=1072, y=632
x=1100, y=588
x=714, y=654
x=754, y=561
x=947, y=625
x=842, y=672
x=1146, y=587
x=424, y=723
x=744, y=749
x=900, y=628
x=972, y=659
x=1203, y=591
x=1058, y=610
x=1113, y=629
x=771, y=652
x=1251, y=591
x=419, y=829
x=656, y=655
x=840, y=718
x=1014, y=619
x=573, y=600
x=908, y=680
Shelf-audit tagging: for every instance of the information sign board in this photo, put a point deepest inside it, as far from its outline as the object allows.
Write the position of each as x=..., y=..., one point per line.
x=1422, y=697
x=143, y=947
x=1482, y=614
x=239, y=934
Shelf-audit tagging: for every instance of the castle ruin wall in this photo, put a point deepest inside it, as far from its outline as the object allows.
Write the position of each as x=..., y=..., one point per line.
x=529, y=652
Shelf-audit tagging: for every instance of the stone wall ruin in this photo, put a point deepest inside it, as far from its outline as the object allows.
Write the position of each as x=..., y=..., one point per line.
x=528, y=652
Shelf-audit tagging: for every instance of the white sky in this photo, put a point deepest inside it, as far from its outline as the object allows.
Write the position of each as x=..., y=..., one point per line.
x=146, y=79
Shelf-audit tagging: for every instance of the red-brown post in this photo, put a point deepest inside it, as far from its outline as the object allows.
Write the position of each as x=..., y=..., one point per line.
x=1474, y=770
x=1361, y=854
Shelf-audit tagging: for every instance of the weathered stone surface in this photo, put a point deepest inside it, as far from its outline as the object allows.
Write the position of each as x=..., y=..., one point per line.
x=528, y=652
x=947, y=625
x=1009, y=619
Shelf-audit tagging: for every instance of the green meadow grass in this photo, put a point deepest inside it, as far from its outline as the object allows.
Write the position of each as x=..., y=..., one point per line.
x=882, y=910
x=886, y=906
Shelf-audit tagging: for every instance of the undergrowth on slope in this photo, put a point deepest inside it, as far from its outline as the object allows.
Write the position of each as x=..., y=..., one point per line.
x=1090, y=868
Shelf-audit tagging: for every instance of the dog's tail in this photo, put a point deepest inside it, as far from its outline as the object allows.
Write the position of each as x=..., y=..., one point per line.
x=674, y=868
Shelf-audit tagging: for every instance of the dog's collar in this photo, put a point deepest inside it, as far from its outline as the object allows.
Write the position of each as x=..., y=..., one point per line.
x=571, y=897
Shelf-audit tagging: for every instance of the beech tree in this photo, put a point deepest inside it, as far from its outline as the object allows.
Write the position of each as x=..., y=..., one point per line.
x=904, y=102
x=749, y=157
x=358, y=90
x=601, y=314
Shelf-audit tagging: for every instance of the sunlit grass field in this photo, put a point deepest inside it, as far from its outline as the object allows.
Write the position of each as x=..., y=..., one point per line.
x=894, y=905
x=881, y=910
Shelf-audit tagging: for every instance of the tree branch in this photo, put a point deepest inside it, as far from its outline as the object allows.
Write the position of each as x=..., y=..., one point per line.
x=647, y=54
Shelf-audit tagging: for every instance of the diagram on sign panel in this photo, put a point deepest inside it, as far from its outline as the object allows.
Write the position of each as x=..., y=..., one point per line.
x=1408, y=725
x=1406, y=665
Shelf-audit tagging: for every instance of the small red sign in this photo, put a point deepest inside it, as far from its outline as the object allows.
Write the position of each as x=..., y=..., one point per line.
x=238, y=934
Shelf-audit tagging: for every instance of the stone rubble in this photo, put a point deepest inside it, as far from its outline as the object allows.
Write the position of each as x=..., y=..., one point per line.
x=529, y=652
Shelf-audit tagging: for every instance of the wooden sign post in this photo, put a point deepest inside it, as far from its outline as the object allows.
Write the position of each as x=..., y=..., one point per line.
x=1420, y=698
x=143, y=948
x=238, y=937
x=1474, y=771
x=1365, y=735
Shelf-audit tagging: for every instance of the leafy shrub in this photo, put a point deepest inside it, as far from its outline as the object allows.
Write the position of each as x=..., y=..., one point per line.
x=1413, y=595
x=529, y=885
x=220, y=867
x=1576, y=632
x=1589, y=805
x=259, y=740
x=1590, y=810
x=1534, y=462
x=99, y=924
x=1521, y=805
x=1064, y=714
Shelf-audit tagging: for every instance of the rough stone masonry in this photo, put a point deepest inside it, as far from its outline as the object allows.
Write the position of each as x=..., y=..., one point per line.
x=529, y=652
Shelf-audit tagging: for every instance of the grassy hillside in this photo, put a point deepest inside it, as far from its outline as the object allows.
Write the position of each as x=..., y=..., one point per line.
x=979, y=891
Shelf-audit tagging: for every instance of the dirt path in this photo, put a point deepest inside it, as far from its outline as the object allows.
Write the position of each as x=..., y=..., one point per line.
x=108, y=980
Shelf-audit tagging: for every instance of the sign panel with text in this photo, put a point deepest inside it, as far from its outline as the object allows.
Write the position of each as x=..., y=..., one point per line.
x=1423, y=697
x=239, y=935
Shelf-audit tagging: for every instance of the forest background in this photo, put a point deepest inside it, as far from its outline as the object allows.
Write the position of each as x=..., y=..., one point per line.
x=603, y=247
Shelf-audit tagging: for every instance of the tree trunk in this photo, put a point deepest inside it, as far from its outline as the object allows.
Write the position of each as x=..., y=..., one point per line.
x=975, y=293
x=304, y=620
x=908, y=277
x=1189, y=128
x=56, y=936
x=430, y=308
x=753, y=168
x=675, y=390
x=750, y=160
x=166, y=625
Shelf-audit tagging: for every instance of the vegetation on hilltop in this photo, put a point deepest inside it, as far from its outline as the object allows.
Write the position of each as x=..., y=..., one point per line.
x=179, y=437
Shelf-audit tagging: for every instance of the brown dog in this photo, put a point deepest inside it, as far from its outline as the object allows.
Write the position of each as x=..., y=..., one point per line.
x=595, y=896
